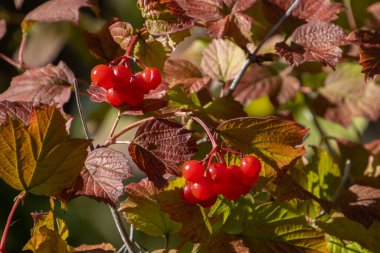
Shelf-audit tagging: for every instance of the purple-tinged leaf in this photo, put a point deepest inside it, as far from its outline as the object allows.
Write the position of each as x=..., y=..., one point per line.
x=122, y=33
x=19, y=110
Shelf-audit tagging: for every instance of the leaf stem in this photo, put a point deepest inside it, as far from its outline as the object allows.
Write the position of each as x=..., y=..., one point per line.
x=350, y=14
x=9, y=60
x=114, y=125
x=17, y=202
x=80, y=109
x=166, y=243
x=121, y=229
x=252, y=56
x=21, y=50
x=346, y=174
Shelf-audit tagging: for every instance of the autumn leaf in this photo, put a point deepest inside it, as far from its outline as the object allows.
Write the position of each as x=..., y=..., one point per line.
x=103, y=174
x=122, y=33
x=222, y=60
x=221, y=242
x=19, y=110
x=361, y=204
x=276, y=142
x=194, y=224
x=178, y=71
x=151, y=52
x=369, y=46
x=317, y=41
x=47, y=85
x=101, y=44
x=224, y=19
x=40, y=157
x=143, y=211
x=160, y=147
x=345, y=95
x=164, y=16
x=58, y=10
x=99, y=248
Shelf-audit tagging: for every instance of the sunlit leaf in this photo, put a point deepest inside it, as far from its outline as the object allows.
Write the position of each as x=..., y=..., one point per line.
x=40, y=157
x=340, y=246
x=19, y=110
x=142, y=210
x=160, y=147
x=99, y=248
x=151, y=52
x=122, y=33
x=47, y=85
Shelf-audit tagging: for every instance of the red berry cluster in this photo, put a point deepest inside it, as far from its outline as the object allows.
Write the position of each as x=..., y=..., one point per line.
x=203, y=186
x=122, y=86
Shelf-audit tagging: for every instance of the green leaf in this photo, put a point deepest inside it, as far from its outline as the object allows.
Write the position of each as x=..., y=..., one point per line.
x=40, y=157
x=276, y=142
x=49, y=234
x=179, y=99
x=151, y=53
x=142, y=210
x=224, y=108
x=345, y=229
x=336, y=245
x=222, y=60
x=321, y=176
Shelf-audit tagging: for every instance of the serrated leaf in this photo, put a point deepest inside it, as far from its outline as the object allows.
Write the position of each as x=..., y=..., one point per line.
x=19, y=110
x=317, y=41
x=58, y=10
x=122, y=33
x=195, y=226
x=40, y=157
x=3, y=28
x=143, y=211
x=160, y=147
x=222, y=60
x=151, y=52
x=101, y=44
x=276, y=142
x=345, y=95
x=101, y=178
x=361, y=204
x=164, y=16
x=345, y=229
x=369, y=46
x=99, y=248
x=47, y=85
x=222, y=242
x=45, y=237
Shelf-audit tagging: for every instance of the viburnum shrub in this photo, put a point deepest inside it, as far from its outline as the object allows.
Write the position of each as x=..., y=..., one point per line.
x=252, y=125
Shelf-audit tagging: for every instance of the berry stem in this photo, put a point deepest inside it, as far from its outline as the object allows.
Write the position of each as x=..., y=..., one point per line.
x=17, y=202
x=114, y=125
x=232, y=151
x=21, y=49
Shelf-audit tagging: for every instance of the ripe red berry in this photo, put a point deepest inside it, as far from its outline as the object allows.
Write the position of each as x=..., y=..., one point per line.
x=103, y=76
x=232, y=191
x=116, y=96
x=209, y=202
x=192, y=171
x=122, y=75
x=134, y=97
x=218, y=172
x=203, y=189
x=151, y=77
x=139, y=82
x=250, y=166
x=187, y=195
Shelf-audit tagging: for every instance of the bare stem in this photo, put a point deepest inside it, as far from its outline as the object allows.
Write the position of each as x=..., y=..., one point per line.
x=114, y=125
x=207, y=130
x=17, y=202
x=252, y=56
x=9, y=60
x=350, y=14
x=121, y=229
x=21, y=50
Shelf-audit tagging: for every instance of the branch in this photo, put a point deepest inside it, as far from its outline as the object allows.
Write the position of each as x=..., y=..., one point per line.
x=252, y=56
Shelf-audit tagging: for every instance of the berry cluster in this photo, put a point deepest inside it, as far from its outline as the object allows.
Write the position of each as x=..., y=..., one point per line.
x=124, y=87
x=203, y=186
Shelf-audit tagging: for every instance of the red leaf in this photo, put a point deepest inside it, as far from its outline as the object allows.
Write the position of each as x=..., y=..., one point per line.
x=369, y=49
x=122, y=33
x=19, y=110
x=316, y=41
x=160, y=147
x=102, y=177
x=47, y=85
x=223, y=18
x=361, y=204
x=59, y=10
x=3, y=28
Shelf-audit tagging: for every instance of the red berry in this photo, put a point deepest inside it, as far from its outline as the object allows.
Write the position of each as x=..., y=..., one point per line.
x=103, y=76
x=192, y=171
x=151, y=77
x=218, y=172
x=209, y=202
x=202, y=190
x=187, y=195
x=232, y=191
x=134, y=97
x=116, y=96
x=122, y=75
x=139, y=82
x=250, y=166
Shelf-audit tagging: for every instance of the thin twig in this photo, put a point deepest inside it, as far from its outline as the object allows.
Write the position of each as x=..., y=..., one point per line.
x=115, y=214
x=80, y=109
x=252, y=56
x=21, y=49
x=346, y=174
x=17, y=202
x=9, y=60
x=114, y=125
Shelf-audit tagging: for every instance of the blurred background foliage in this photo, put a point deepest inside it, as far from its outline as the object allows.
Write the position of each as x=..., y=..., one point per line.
x=90, y=222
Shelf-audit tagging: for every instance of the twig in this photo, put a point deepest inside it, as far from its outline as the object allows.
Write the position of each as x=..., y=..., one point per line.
x=21, y=49
x=252, y=56
x=346, y=174
x=9, y=60
x=115, y=214
x=17, y=202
